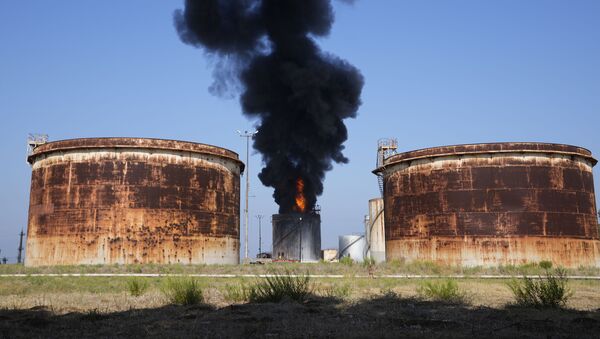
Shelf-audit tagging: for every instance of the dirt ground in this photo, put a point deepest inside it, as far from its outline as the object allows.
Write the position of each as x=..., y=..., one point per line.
x=67, y=307
x=378, y=317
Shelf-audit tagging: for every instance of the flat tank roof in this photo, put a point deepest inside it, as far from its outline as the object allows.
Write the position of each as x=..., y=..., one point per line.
x=135, y=143
x=488, y=148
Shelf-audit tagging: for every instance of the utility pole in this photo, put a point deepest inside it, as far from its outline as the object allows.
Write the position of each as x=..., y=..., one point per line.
x=259, y=217
x=19, y=257
x=247, y=135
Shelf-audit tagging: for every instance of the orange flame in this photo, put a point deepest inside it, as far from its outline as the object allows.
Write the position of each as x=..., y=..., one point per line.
x=300, y=200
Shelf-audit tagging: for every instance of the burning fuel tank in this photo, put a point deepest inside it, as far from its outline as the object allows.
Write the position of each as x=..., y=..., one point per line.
x=297, y=236
x=133, y=200
x=492, y=204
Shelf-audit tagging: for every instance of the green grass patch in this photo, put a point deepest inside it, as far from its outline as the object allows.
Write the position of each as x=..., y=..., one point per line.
x=182, y=291
x=345, y=267
x=137, y=286
x=445, y=290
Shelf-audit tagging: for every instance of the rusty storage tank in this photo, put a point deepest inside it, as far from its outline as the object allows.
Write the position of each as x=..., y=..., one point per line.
x=375, y=231
x=297, y=236
x=492, y=204
x=133, y=200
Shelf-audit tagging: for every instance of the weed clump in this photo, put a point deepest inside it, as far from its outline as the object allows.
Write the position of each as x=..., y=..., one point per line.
x=183, y=291
x=137, y=286
x=278, y=286
x=545, y=264
x=549, y=291
x=346, y=260
x=389, y=293
x=446, y=290
x=369, y=262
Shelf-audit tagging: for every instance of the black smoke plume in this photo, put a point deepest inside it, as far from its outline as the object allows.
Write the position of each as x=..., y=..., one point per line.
x=300, y=94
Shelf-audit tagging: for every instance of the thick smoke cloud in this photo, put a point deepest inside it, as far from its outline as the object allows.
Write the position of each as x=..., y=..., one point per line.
x=300, y=94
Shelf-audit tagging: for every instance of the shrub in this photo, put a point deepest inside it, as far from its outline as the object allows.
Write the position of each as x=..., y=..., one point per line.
x=277, y=286
x=549, y=291
x=182, y=291
x=137, y=286
x=444, y=290
x=346, y=261
x=545, y=264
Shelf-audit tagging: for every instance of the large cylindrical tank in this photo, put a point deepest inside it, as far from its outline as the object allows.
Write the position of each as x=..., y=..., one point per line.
x=375, y=231
x=491, y=204
x=353, y=246
x=297, y=237
x=133, y=200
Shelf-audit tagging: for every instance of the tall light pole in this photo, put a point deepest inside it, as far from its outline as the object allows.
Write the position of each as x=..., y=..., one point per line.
x=259, y=217
x=247, y=135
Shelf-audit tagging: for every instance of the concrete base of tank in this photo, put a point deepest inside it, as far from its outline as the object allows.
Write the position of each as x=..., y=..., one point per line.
x=492, y=251
x=67, y=250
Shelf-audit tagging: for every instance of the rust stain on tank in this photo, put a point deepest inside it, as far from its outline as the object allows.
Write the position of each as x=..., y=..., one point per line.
x=491, y=204
x=133, y=200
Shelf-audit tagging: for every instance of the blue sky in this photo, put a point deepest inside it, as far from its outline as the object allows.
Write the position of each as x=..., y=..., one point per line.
x=436, y=72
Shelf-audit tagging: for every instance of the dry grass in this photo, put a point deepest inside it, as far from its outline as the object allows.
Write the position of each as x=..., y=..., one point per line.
x=103, y=307
x=79, y=307
x=393, y=267
x=74, y=294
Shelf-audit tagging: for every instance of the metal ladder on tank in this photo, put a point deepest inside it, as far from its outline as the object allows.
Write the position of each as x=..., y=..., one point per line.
x=386, y=147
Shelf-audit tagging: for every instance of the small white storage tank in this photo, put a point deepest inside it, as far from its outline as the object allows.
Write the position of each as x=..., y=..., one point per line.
x=353, y=246
x=375, y=231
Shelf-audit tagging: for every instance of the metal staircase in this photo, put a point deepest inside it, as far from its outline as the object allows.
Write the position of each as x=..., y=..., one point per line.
x=385, y=148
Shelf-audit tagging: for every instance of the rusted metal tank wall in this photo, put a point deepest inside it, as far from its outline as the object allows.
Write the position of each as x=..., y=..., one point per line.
x=491, y=204
x=297, y=236
x=375, y=231
x=129, y=200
